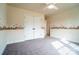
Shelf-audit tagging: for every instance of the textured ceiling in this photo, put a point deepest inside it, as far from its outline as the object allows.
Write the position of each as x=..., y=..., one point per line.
x=41, y=7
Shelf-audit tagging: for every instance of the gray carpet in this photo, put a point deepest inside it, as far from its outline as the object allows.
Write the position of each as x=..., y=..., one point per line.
x=40, y=47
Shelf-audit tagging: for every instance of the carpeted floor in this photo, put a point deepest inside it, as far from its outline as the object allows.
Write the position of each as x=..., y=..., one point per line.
x=46, y=46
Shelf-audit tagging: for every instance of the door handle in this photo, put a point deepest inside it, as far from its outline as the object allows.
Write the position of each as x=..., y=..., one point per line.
x=33, y=28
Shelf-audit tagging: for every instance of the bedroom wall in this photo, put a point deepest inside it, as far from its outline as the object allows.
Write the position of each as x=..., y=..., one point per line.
x=67, y=18
x=16, y=17
x=2, y=23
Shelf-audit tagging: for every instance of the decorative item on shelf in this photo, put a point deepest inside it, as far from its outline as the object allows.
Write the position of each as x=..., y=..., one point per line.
x=18, y=26
x=14, y=26
x=77, y=26
x=4, y=27
x=7, y=27
x=1, y=27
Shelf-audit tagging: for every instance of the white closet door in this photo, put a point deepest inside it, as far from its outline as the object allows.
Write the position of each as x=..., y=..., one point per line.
x=38, y=31
x=28, y=30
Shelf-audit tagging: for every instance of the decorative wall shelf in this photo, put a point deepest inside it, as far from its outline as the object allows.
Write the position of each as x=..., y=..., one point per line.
x=10, y=28
x=64, y=27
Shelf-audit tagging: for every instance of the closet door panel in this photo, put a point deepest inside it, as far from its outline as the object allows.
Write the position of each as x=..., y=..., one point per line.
x=38, y=32
x=28, y=30
x=34, y=27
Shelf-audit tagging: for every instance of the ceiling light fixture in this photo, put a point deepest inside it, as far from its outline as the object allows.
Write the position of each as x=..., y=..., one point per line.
x=52, y=6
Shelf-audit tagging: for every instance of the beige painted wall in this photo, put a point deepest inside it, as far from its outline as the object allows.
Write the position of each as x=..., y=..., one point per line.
x=17, y=15
x=66, y=18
